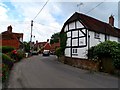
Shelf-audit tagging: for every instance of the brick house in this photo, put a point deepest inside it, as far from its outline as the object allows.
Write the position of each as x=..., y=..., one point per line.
x=54, y=46
x=40, y=46
x=9, y=38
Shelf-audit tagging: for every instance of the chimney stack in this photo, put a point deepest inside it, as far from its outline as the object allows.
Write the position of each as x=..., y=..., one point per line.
x=111, y=20
x=9, y=29
x=47, y=40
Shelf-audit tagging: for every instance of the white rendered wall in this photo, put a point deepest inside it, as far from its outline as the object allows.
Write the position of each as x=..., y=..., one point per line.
x=113, y=38
x=67, y=52
x=93, y=41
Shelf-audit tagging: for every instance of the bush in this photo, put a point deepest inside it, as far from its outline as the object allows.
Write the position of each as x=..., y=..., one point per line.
x=7, y=61
x=6, y=49
x=5, y=72
x=58, y=52
x=20, y=55
x=7, y=64
x=109, y=49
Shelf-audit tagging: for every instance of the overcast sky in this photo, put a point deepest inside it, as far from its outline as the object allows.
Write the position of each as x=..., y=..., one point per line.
x=19, y=14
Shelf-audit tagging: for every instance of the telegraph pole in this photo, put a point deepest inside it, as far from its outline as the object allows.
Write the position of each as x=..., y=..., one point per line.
x=31, y=35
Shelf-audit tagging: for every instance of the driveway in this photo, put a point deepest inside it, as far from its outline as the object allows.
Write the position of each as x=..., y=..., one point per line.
x=47, y=72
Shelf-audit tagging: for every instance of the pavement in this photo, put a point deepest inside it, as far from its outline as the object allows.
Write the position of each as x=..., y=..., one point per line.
x=46, y=72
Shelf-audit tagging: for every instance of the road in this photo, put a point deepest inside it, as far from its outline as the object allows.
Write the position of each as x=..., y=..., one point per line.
x=47, y=72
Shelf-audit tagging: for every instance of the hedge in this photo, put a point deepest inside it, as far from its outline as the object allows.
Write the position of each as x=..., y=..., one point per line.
x=6, y=49
x=109, y=49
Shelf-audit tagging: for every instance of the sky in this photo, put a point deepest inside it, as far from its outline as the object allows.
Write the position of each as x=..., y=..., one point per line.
x=19, y=14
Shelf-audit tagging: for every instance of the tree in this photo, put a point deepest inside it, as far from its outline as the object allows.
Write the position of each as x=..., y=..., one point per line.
x=26, y=46
x=55, y=38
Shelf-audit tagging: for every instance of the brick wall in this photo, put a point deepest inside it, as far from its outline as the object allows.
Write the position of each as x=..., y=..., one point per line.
x=13, y=43
x=81, y=63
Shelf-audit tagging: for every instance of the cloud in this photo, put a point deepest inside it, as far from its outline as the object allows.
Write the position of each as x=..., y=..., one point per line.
x=52, y=17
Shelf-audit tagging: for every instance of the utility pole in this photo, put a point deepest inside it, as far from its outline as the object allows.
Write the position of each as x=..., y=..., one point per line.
x=31, y=35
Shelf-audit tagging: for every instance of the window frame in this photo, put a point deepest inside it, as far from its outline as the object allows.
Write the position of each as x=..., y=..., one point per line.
x=96, y=35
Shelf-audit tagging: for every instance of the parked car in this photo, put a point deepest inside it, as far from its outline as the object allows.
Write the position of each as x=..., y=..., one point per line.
x=46, y=53
x=34, y=53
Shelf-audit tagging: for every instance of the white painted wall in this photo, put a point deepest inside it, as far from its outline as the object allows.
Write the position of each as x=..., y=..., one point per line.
x=79, y=25
x=66, y=28
x=113, y=38
x=93, y=41
x=81, y=53
x=72, y=25
x=67, y=52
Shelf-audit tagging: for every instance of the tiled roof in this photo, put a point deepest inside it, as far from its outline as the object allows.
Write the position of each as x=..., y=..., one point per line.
x=93, y=24
x=7, y=35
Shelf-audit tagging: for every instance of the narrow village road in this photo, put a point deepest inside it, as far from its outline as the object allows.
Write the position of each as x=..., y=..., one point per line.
x=47, y=72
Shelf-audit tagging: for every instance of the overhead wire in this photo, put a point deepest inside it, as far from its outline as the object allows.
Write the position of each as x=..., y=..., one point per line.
x=94, y=7
x=40, y=10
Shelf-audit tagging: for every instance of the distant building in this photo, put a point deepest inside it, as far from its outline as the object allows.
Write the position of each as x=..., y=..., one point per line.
x=84, y=32
x=40, y=46
x=9, y=38
x=54, y=46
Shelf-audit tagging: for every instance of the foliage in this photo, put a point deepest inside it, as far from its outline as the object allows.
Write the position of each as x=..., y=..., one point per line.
x=26, y=46
x=58, y=51
x=55, y=38
x=7, y=64
x=63, y=39
x=5, y=72
x=16, y=57
x=7, y=61
x=106, y=49
x=6, y=49
x=20, y=55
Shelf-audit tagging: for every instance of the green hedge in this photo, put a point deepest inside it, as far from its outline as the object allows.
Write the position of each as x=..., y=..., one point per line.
x=7, y=64
x=7, y=61
x=20, y=55
x=6, y=49
x=109, y=49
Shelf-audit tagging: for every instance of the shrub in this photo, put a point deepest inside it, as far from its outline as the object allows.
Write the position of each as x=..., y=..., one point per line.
x=5, y=72
x=63, y=39
x=58, y=52
x=7, y=61
x=20, y=55
x=6, y=49
x=106, y=49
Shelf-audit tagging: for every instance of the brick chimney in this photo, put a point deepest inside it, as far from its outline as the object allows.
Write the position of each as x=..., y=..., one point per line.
x=47, y=40
x=111, y=20
x=9, y=29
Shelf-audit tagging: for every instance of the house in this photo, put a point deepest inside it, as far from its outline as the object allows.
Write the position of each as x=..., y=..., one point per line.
x=84, y=32
x=54, y=46
x=9, y=38
x=40, y=46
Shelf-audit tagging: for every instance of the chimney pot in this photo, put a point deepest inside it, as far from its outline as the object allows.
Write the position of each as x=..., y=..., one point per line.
x=9, y=29
x=111, y=20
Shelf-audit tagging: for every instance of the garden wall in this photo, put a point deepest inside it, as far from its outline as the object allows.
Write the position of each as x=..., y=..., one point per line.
x=80, y=63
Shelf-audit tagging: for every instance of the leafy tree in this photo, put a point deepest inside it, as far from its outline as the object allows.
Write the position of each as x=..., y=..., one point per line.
x=63, y=39
x=26, y=46
x=55, y=38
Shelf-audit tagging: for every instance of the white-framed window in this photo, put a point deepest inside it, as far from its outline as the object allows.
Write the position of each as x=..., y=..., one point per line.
x=97, y=35
x=74, y=51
